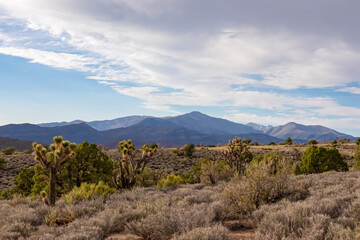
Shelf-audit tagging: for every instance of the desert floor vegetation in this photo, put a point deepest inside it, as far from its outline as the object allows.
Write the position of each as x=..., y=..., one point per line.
x=329, y=209
x=154, y=193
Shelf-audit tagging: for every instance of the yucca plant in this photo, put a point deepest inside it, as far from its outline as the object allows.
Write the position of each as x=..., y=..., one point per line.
x=51, y=160
x=129, y=168
x=237, y=154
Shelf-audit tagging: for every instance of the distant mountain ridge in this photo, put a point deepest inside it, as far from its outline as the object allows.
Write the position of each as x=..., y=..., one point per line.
x=101, y=125
x=299, y=131
x=169, y=131
x=259, y=127
x=19, y=145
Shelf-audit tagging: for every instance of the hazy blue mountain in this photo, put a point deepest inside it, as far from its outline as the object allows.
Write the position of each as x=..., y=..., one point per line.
x=59, y=124
x=169, y=132
x=150, y=130
x=298, y=131
x=259, y=127
x=203, y=123
x=116, y=123
x=101, y=125
x=74, y=133
x=171, y=136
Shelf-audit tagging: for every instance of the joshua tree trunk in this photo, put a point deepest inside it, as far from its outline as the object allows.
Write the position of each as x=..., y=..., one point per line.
x=52, y=187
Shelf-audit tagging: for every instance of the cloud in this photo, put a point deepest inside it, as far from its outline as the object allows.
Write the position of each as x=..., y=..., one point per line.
x=171, y=53
x=353, y=90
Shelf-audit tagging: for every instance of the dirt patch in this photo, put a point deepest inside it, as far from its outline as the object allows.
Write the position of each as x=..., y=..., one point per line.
x=245, y=234
x=122, y=236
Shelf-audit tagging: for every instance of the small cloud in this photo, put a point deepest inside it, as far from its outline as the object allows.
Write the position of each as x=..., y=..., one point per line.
x=353, y=90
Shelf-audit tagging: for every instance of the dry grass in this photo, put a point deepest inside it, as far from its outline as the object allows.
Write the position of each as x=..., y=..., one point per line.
x=331, y=209
x=330, y=212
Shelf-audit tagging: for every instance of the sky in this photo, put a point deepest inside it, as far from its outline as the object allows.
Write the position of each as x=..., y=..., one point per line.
x=263, y=61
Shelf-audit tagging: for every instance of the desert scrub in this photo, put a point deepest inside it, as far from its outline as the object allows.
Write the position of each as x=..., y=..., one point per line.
x=58, y=217
x=215, y=171
x=264, y=182
x=330, y=212
x=88, y=191
x=216, y=232
x=171, y=180
x=19, y=219
x=8, y=151
x=171, y=220
x=150, y=211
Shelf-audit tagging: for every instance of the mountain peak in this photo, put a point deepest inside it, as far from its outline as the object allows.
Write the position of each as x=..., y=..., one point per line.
x=195, y=113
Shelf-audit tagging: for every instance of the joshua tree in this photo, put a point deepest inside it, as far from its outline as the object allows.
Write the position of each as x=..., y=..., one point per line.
x=60, y=152
x=129, y=168
x=237, y=154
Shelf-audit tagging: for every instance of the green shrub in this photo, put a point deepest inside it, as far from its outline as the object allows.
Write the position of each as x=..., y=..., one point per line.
x=189, y=150
x=357, y=158
x=28, y=151
x=7, y=194
x=319, y=159
x=88, y=191
x=358, y=141
x=196, y=169
x=207, y=171
x=345, y=140
x=171, y=180
x=272, y=143
x=2, y=163
x=89, y=165
x=313, y=142
x=8, y=151
x=146, y=178
x=212, y=172
x=24, y=181
x=288, y=141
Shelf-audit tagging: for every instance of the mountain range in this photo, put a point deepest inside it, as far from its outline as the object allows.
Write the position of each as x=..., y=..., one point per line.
x=168, y=132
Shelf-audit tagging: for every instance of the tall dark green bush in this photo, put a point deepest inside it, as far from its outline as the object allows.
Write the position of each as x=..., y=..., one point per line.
x=24, y=181
x=357, y=158
x=288, y=141
x=319, y=159
x=2, y=163
x=89, y=165
x=189, y=150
